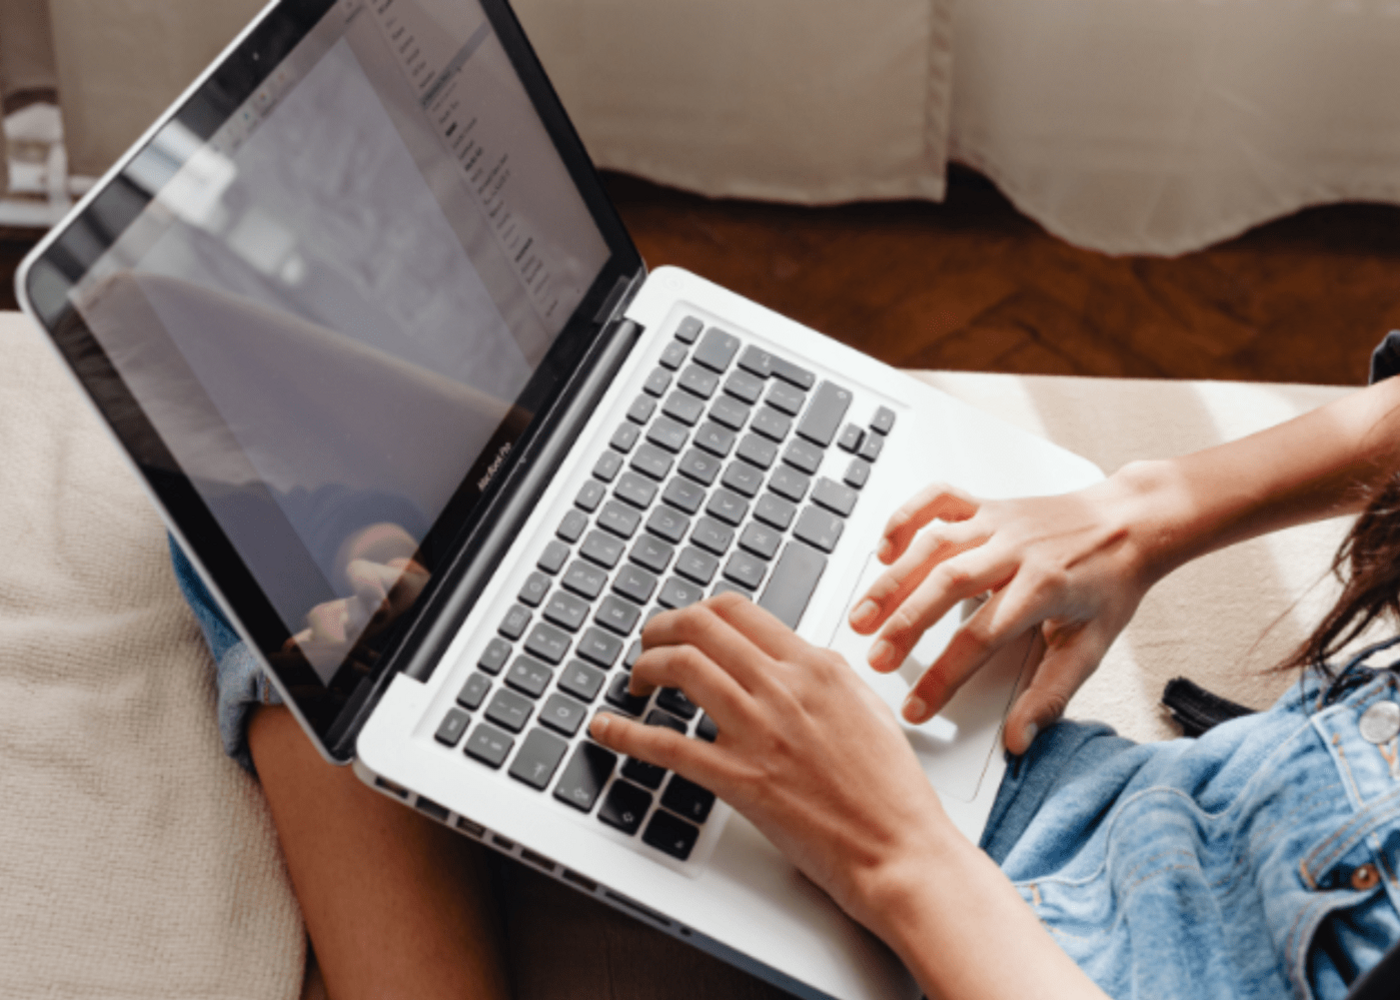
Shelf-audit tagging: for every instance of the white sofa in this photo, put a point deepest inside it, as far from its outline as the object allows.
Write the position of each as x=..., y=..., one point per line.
x=136, y=861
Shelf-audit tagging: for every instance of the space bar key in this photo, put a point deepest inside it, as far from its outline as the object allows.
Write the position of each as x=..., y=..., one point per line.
x=794, y=579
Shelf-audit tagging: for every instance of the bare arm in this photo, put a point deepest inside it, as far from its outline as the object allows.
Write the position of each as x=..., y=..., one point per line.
x=1078, y=565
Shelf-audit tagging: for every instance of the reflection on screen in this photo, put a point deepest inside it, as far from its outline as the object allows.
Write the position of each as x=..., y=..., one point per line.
x=329, y=309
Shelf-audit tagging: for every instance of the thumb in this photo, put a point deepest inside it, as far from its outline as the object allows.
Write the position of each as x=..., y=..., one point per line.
x=1057, y=677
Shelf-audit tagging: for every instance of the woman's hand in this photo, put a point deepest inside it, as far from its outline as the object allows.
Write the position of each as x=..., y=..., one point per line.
x=1070, y=565
x=806, y=750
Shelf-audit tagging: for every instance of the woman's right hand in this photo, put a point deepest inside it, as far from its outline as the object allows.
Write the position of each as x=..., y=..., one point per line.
x=1074, y=566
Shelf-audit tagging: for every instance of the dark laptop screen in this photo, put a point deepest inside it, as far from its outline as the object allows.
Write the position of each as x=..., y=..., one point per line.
x=336, y=303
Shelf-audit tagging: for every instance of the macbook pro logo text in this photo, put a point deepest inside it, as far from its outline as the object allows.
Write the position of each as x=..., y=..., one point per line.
x=494, y=467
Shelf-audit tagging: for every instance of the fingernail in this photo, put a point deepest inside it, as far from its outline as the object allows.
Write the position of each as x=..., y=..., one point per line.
x=882, y=655
x=886, y=550
x=914, y=709
x=1031, y=731
x=599, y=727
x=865, y=613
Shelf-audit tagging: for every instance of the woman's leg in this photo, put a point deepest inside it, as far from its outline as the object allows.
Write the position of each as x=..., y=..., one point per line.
x=395, y=905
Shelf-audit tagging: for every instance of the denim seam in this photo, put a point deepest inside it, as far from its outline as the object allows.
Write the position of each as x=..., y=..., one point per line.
x=1304, y=928
x=1360, y=826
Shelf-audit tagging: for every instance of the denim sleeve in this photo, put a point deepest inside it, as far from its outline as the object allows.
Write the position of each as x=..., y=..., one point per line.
x=239, y=679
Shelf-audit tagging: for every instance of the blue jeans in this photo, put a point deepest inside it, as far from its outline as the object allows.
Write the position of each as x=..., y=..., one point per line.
x=1257, y=861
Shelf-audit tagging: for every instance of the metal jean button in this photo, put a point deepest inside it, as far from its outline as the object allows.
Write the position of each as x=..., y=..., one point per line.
x=1381, y=722
x=1365, y=877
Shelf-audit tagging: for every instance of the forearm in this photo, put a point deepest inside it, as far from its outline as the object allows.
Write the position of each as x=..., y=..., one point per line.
x=1321, y=464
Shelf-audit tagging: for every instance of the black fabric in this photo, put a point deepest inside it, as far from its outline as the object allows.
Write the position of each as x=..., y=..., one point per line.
x=1196, y=710
x=1385, y=359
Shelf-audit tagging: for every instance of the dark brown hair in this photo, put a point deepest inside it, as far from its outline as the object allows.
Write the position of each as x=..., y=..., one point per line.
x=1368, y=564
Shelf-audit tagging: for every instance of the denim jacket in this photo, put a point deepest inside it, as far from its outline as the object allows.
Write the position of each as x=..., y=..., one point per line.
x=1259, y=860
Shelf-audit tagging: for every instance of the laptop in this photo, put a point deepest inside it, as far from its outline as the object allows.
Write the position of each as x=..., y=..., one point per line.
x=360, y=314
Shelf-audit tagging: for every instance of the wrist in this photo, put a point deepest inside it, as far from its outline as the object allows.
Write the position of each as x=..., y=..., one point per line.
x=1153, y=510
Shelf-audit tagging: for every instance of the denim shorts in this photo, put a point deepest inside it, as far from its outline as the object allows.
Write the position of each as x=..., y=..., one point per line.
x=1257, y=861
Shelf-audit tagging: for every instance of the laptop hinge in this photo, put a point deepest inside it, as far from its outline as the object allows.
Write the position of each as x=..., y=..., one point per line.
x=620, y=297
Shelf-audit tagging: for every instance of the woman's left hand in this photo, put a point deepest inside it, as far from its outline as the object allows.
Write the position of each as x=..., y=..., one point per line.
x=806, y=750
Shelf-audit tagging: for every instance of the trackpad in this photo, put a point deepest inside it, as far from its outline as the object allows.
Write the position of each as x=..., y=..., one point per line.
x=956, y=745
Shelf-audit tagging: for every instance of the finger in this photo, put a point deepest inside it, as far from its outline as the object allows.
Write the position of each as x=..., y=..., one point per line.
x=968, y=574
x=1060, y=673
x=936, y=502
x=911, y=569
x=703, y=682
x=760, y=627
x=705, y=627
x=693, y=759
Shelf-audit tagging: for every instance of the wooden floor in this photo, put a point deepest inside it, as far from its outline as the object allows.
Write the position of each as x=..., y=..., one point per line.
x=971, y=284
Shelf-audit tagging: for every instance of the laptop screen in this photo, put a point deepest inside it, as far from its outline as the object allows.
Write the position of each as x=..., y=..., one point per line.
x=336, y=303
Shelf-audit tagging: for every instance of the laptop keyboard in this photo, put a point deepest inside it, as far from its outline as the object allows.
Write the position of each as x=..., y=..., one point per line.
x=708, y=485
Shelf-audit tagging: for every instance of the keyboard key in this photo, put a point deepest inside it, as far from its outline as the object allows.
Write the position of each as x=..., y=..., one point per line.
x=535, y=587
x=791, y=373
x=803, y=457
x=674, y=701
x=817, y=527
x=473, y=691
x=789, y=484
x=698, y=382
x=670, y=835
x=584, y=776
x=784, y=397
x=556, y=553
x=657, y=383
x=716, y=349
x=495, y=656
x=547, y=643
x=684, y=407
x=696, y=566
x=581, y=680
x=652, y=461
x=745, y=569
x=743, y=478
x=835, y=497
x=712, y=536
x=539, y=755
x=668, y=434
x=795, y=577
x=625, y=437
x=513, y=625
x=454, y=724
x=851, y=438
x=509, y=710
x=824, y=416
x=641, y=409
x=643, y=773
x=624, y=807
x=743, y=386
x=562, y=714
x=775, y=511
x=761, y=540
x=771, y=424
x=618, y=615
x=590, y=495
x=870, y=450
x=715, y=439
x=725, y=587
x=652, y=553
x=702, y=468
x=883, y=421
x=529, y=676
x=585, y=580
x=668, y=524
x=597, y=646
x=727, y=507
x=634, y=583
x=601, y=549
x=573, y=525
x=706, y=729
x=673, y=356
x=757, y=451
x=688, y=330
x=678, y=593
x=488, y=745
x=857, y=473
x=666, y=721
x=633, y=651
x=729, y=413
x=621, y=521
x=635, y=490
x=688, y=799
x=619, y=697
x=607, y=465
x=684, y=495
x=566, y=611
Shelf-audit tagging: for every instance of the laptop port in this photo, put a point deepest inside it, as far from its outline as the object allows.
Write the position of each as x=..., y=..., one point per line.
x=468, y=827
x=502, y=843
x=430, y=808
x=638, y=907
x=586, y=884
x=392, y=788
x=539, y=861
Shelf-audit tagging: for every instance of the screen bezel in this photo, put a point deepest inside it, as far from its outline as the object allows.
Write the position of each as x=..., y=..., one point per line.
x=72, y=247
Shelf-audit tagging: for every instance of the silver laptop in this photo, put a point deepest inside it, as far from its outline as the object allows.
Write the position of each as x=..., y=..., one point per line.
x=359, y=312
